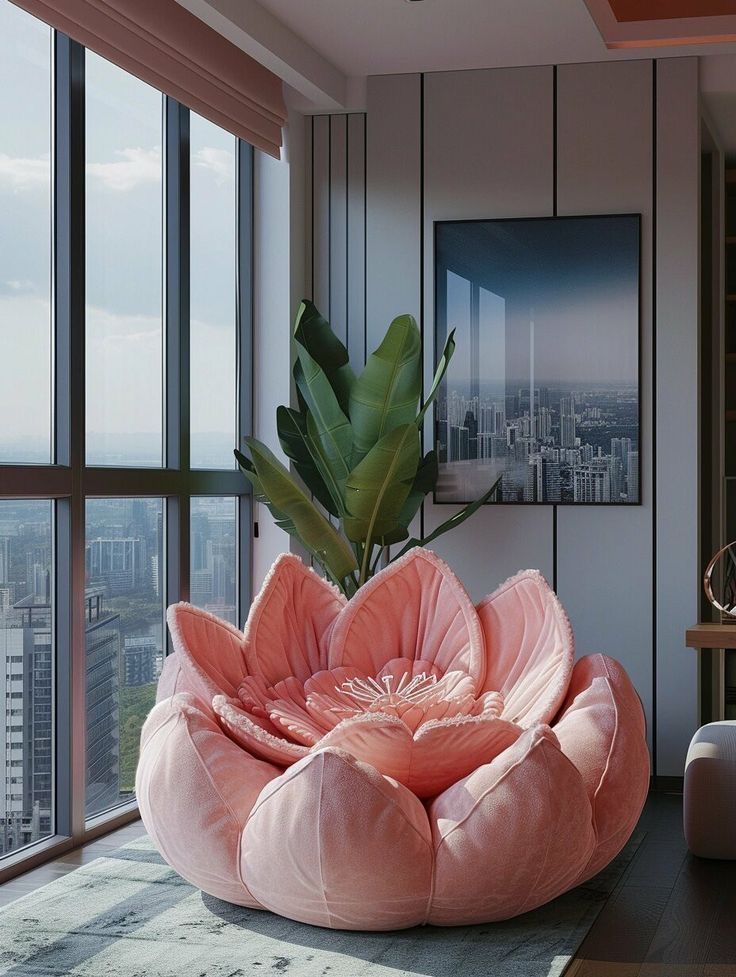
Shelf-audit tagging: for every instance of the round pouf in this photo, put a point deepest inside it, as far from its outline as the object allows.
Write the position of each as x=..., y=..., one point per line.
x=709, y=804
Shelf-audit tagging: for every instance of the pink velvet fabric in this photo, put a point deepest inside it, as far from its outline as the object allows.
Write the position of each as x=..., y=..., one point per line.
x=389, y=761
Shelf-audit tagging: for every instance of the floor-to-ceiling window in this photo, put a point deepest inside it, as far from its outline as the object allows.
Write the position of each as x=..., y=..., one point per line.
x=125, y=284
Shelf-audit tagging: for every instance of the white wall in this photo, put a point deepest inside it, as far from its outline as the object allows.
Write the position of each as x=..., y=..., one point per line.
x=596, y=138
x=278, y=286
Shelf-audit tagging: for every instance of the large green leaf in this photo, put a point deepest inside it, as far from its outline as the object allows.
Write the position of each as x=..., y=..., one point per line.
x=377, y=488
x=453, y=522
x=293, y=504
x=327, y=426
x=439, y=374
x=424, y=481
x=313, y=333
x=386, y=393
x=281, y=520
x=292, y=429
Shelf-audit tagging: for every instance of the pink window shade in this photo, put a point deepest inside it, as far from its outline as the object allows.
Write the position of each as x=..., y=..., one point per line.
x=163, y=44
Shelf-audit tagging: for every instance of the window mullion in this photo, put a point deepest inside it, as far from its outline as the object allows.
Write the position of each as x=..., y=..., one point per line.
x=176, y=292
x=244, y=311
x=69, y=433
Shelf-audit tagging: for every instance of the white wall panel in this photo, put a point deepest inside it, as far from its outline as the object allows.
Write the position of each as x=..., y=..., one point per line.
x=604, y=554
x=338, y=218
x=321, y=213
x=356, y=237
x=678, y=574
x=393, y=250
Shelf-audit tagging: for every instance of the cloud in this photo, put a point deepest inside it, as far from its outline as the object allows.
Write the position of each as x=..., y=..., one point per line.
x=219, y=162
x=19, y=173
x=134, y=168
x=25, y=366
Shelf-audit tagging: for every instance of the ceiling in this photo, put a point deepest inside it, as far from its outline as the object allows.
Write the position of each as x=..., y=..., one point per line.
x=364, y=37
x=325, y=49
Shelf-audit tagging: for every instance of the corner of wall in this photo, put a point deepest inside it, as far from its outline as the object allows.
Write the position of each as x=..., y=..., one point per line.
x=278, y=285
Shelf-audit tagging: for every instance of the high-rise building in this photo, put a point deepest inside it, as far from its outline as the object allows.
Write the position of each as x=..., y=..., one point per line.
x=103, y=703
x=26, y=746
x=4, y=559
x=139, y=660
x=567, y=422
x=543, y=479
x=632, y=479
x=472, y=426
x=592, y=482
x=120, y=564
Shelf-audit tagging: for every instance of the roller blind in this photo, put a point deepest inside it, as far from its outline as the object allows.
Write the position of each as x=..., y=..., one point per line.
x=168, y=47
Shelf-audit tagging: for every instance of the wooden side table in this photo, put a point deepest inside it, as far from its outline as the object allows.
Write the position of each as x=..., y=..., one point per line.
x=714, y=640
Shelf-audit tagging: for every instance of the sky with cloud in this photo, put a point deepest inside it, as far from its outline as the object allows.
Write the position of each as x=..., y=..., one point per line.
x=123, y=259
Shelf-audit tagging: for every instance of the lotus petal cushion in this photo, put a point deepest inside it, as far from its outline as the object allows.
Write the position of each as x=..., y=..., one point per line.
x=402, y=758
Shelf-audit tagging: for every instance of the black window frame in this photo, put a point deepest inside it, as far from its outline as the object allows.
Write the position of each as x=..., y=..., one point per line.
x=68, y=481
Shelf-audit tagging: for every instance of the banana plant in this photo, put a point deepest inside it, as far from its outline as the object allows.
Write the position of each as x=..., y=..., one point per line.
x=354, y=443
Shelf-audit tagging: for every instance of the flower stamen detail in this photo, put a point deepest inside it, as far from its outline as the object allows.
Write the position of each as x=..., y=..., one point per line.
x=415, y=691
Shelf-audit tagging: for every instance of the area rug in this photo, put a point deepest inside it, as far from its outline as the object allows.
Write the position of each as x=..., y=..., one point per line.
x=129, y=915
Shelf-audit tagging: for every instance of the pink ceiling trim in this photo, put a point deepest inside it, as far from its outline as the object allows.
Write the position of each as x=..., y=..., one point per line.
x=659, y=32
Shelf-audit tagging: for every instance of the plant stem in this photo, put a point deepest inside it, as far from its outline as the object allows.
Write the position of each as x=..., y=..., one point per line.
x=377, y=559
x=366, y=562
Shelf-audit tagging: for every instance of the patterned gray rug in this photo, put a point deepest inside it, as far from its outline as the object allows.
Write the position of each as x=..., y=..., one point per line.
x=129, y=915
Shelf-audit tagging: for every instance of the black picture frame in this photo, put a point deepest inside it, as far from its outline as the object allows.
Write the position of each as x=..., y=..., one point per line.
x=576, y=258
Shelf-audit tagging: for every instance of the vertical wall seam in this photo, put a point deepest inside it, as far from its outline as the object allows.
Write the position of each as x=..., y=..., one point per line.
x=422, y=329
x=329, y=218
x=347, y=232
x=554, y=140
x=554, y=214
x=654, y=417
x=311, y=228
x=365, y=236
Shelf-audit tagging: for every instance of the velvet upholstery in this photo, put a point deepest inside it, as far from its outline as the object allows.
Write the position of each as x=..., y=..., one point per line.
x=398, y=759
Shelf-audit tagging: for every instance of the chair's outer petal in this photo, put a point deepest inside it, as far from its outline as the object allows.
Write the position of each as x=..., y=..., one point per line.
x=511, y=836
x=334, y=843
x=195, y=790
x=170, y=678
x=209, y=652
x=530, y=648
x=601, y=729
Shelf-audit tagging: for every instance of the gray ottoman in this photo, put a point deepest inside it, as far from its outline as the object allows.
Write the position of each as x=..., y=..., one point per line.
x=709, y=803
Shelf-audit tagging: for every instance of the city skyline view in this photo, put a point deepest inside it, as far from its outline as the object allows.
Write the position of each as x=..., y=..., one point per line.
x=125, y=600
x=543, y=389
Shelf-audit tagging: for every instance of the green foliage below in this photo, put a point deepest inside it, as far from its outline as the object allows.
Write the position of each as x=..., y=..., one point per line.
x=355, y=443
x=135, y=703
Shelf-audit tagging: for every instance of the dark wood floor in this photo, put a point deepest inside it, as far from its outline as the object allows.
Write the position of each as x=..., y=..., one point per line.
x=672, y=915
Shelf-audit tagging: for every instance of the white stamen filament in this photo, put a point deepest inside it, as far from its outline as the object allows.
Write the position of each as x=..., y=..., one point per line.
x=416, y=691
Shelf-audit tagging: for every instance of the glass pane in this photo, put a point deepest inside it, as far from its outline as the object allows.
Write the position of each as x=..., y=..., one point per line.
x=214, y=566
x=124, y=607
x=212, y=297
x=26, y=673
x=25, y=237
x=124, y=268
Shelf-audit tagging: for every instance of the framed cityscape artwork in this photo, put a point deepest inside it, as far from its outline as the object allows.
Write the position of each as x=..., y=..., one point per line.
x=544, y=386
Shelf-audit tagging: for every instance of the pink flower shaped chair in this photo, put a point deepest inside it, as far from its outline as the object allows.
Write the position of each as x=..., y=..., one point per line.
x=402, y=758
